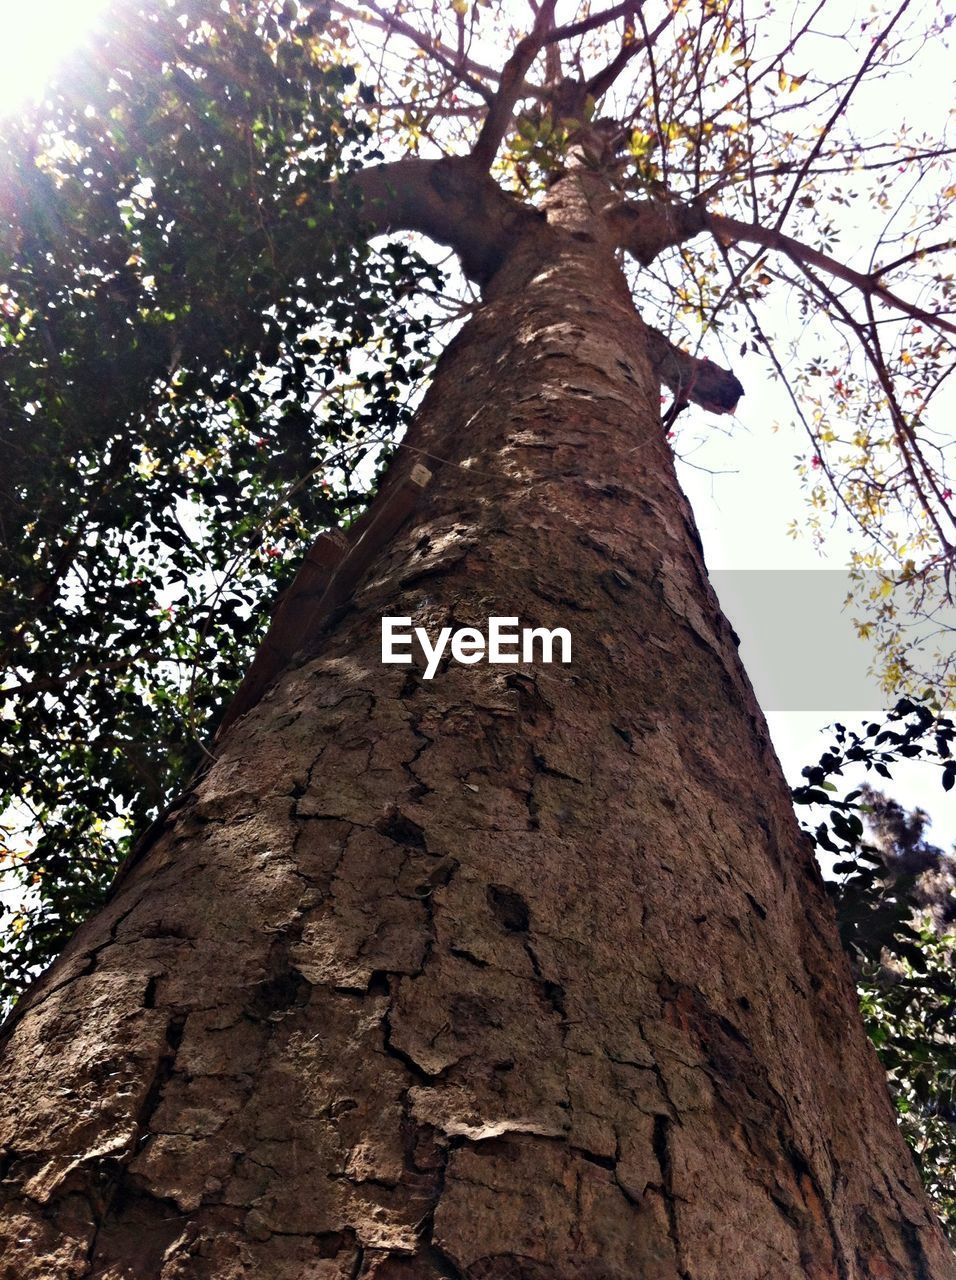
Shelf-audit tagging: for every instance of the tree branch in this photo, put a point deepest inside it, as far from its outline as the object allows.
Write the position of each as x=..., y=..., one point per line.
x=916, y=256
x=447, y=201
x=691, y=379
x=726, y=229
x=590, y=24
x=510, y=87
x=838, y=112
x=469, y=70
x=852, y=514
x=599, y=83
x=644, y=228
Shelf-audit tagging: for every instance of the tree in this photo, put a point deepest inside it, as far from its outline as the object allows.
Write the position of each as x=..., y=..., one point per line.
x=895, y=904
x=175, y=423
x=908, y=1000
x=521, y=970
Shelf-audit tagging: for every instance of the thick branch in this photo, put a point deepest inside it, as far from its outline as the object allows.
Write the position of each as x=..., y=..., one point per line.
x=448, y=201
x=645, y=228
x=692, y=380
x=592, y=23
x=501, y=111
x=728, y=229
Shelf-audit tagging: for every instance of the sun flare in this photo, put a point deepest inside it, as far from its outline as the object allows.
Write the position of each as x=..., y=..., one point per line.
x=35, y=35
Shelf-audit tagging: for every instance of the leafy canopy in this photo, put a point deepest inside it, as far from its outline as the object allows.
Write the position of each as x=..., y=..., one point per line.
x=895, y=898
x=200, y=358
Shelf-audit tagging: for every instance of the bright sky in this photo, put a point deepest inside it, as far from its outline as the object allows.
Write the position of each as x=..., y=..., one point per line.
x=745, y=501
x=34, y=36
x=743, y=513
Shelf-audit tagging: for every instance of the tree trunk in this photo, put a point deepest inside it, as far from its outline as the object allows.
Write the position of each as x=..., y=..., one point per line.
x=520, y=973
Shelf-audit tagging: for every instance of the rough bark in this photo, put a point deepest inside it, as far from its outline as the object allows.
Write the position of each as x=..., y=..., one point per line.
x=452, y=201
x=516, y=974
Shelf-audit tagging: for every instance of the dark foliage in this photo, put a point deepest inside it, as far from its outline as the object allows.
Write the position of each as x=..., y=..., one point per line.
x=894, y=896
x=199, y=362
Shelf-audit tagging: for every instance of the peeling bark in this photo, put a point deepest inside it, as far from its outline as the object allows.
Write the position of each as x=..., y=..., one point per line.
x=517, y=974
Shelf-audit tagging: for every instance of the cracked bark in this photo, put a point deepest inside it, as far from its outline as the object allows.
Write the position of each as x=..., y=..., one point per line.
x=517, y=974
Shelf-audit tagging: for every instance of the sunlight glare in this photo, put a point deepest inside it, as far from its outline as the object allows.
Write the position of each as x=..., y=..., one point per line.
x=34, y=36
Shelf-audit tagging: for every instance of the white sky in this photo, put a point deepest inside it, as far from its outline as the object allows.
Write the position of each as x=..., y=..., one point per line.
x=743, y=516
x=34, y=36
